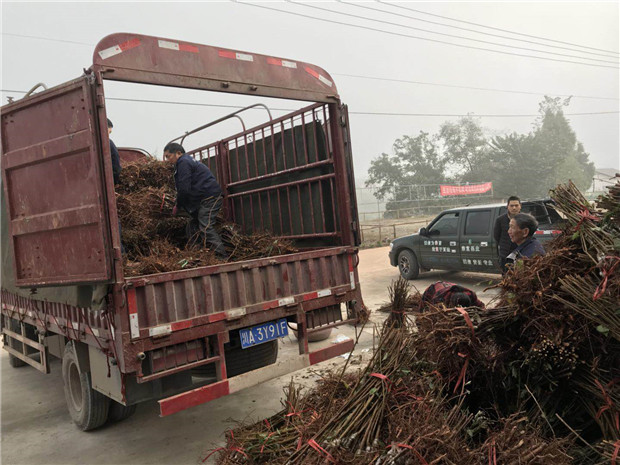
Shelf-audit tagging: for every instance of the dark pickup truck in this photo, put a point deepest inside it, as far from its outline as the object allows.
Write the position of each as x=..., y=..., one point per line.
x=461, y=239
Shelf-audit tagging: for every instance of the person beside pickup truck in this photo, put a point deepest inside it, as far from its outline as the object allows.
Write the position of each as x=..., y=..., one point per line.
x=500, y=231
x=521, y=232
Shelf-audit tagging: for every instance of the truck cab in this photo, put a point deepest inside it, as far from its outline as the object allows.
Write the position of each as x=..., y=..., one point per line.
x=461, y=239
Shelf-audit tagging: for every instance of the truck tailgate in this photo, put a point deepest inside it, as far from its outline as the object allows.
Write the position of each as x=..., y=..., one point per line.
x=245, y=291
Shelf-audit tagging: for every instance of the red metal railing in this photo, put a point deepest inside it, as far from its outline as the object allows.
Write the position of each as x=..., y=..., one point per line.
x=280, y=176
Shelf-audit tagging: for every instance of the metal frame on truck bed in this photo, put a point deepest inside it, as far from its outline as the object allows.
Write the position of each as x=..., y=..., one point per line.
x=174, y=336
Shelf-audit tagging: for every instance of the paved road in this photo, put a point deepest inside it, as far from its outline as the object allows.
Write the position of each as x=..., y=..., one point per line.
x=36, y=428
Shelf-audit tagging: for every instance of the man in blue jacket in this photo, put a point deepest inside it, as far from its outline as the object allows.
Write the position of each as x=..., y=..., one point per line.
x=199, y=194
x=521, y=232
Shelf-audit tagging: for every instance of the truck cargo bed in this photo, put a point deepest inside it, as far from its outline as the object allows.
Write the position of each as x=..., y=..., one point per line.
x=180, y=300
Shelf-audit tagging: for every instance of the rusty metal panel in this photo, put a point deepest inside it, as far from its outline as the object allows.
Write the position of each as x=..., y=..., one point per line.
x=88, y=325
x=52, y=177
x=156, y=60
x=280, y=177
x=131, y=155
x=348, y=154
x=179, y=296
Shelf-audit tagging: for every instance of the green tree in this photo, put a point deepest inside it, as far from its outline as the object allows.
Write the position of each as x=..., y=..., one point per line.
x=516, y=166
x=465, y=148
x=527, y=165
x=416, y=160
x=563, y=156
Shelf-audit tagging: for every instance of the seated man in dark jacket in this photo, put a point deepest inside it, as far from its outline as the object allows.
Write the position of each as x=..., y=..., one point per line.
x=450, y=294
x=521, y=232
x=199, y=194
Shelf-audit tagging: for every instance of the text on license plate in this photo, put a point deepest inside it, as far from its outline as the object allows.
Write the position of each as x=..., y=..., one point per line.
x=263, y=333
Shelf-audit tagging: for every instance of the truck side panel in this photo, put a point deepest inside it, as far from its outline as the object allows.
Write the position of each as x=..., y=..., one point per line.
x=281, y=177
x=232, y=293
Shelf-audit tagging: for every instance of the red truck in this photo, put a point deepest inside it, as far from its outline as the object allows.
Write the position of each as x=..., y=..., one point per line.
x=190, y=336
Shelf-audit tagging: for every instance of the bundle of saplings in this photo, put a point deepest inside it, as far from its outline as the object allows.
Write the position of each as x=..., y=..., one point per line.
x=534, y=379
x=155, y=241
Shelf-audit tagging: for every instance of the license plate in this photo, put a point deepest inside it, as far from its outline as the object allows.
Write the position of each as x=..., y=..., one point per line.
x=263, y=333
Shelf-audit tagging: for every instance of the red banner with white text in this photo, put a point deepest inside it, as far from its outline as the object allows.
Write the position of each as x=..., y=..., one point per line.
x=469, y=189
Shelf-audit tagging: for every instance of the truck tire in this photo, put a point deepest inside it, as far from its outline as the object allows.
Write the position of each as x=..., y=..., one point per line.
x=240, y=360
x=119, y=412
x=408, y=264
x=88, y=408
x=16, y=345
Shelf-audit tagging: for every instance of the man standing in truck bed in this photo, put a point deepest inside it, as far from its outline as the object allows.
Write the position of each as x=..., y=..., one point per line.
x=199, y=194
x=500, y=231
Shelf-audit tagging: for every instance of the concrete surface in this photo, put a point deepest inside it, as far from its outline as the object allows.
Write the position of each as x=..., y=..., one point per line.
x=36, y=428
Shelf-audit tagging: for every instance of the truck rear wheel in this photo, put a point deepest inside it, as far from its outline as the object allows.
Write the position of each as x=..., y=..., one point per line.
x=88, y=408
x=240, y=360
x=408, y=264
x=120, y=412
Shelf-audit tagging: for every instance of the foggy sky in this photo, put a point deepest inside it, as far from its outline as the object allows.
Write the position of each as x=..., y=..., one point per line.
x=341, y=50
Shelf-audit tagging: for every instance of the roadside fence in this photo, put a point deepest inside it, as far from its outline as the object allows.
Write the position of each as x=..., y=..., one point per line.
x=383, y=233
x=411, y=201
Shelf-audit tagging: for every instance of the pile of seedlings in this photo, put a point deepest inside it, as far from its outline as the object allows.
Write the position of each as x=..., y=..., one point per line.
x=414, y=300
x=155, y=241
x=535, y=379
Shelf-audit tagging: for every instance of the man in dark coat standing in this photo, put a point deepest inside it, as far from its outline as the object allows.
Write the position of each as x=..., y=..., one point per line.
x=500, y=231
x=199, y=194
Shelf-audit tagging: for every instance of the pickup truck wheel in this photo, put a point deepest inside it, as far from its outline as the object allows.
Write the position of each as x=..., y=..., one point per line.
x=408, y=265
x=88, y=408
x=120, y=412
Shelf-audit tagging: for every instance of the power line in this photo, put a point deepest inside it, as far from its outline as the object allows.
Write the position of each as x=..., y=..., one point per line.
x=456, y=86
x=172, y=102
x=475, y=115
x=420, y=38
x=471, y=30
x=495, y=28
x=169, y=102
x=47, y=38
x=370, y=113
x=417, y=19
x=406, y=81
x=390, y=23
